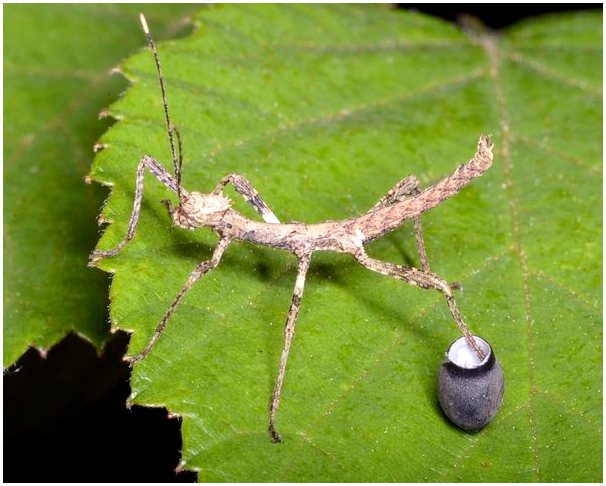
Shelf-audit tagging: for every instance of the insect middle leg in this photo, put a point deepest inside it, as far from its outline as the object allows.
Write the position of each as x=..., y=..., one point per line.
x=426, y=280
x=194, y=276
x=164, y=177
x=289, y=332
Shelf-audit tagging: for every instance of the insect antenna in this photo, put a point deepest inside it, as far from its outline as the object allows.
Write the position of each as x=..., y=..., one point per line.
x=176, y=154
x=180, y=160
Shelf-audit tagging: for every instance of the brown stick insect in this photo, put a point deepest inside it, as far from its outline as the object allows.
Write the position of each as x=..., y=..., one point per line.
x=405, y=201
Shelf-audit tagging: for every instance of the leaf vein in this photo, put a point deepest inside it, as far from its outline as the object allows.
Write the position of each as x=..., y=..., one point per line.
x=493, y=50
x=344, y=113
x=551, y=74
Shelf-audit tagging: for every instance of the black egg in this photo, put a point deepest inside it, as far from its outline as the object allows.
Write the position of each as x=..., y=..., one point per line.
x=470, y=391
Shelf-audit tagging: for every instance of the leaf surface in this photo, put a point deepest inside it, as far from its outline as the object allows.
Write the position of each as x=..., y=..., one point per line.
x=324, y=108
x=56, y=81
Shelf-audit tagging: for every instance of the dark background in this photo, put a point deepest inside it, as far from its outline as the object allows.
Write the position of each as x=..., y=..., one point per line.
x=495, y=16
x=57, y=432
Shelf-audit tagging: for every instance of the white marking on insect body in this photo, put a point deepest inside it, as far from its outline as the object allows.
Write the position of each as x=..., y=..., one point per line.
x=360, y=237
x=299, y=283
x=270, y=218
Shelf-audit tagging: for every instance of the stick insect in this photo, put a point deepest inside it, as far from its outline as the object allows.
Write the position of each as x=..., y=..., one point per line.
x=405, y=201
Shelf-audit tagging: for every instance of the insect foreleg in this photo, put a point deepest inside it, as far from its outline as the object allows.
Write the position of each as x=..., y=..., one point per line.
x=164, y=177
x=289, y=332
x=194, y=276
x=246, y=189
x=425, y=280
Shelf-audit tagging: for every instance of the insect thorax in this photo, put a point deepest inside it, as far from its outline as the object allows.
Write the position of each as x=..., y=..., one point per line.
x=197, y=210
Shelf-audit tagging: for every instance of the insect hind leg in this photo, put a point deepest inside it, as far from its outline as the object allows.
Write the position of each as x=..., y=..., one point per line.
x=425, y=280
x=407, y=187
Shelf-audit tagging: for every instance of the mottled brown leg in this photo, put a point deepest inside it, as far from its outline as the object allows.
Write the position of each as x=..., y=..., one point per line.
x=289, y=332
x=412, y=189
x=407, y=187
x=164, y=177
x=421, y=244
x=252, y=196
x=425, y=280
x=200, y=270
x=401, y=190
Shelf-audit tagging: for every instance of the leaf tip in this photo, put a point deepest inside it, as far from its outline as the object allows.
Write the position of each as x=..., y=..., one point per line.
x=43, y=352
x=104, y=114
x=98, y=147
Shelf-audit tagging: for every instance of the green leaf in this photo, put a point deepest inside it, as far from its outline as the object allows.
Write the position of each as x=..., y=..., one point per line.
x=324, y=108
x=56, y=80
